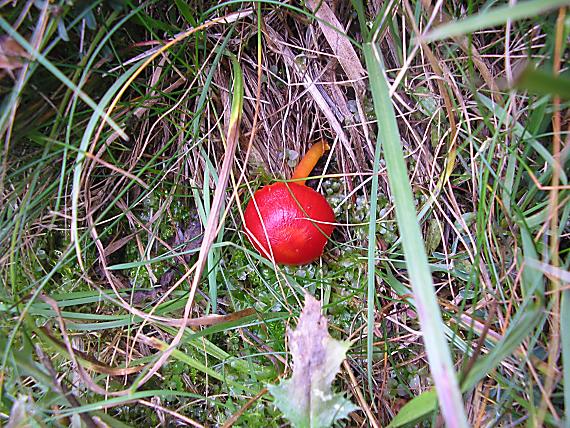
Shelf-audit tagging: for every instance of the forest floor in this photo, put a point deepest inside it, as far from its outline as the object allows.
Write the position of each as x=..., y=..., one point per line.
x=135, y=133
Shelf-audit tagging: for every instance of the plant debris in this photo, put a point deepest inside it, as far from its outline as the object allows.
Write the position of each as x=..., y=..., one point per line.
x=12, y=55
x=307, y=399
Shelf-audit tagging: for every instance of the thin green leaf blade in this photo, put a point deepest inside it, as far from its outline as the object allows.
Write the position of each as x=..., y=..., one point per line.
x=38, y=56
x=415, y=409
x=565, y=341
x=493, y=17
x=438, y=352
x=526, y=320
x=532, y=278
x=543, y=82
x=424, y=404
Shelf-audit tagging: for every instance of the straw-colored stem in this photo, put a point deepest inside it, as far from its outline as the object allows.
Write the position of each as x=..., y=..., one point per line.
x=309, y=161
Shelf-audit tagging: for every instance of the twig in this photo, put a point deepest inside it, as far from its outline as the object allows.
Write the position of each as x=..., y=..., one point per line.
x=359, y=396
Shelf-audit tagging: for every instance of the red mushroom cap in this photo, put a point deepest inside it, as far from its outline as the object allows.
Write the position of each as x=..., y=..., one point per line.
x=298, y=221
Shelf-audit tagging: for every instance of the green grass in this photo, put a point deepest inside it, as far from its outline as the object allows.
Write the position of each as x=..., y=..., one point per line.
x=134, y=136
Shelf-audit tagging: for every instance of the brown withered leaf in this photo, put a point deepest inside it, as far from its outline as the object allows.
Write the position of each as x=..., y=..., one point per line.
x=12, y=54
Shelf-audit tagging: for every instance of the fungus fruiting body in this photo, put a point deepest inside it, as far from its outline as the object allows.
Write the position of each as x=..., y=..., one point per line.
x=290, y=221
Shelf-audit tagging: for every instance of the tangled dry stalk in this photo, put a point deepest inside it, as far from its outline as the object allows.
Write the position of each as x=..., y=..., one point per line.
x=116, y=203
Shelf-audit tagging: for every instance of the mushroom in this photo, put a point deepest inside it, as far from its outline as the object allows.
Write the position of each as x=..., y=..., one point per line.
x=291, y=222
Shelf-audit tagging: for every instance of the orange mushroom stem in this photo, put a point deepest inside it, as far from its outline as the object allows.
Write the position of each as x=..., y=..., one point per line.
x=309, y=161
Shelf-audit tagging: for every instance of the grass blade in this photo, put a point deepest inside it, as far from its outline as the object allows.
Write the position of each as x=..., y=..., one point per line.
x=62, y=77
x=526, y=320
x=211, y=229
x=438, y=352
x=372, y=263
x=543, y=82
x=519, y=131
x=79, y=162
x=425, y=403
x=493, y=17
x=565, y=339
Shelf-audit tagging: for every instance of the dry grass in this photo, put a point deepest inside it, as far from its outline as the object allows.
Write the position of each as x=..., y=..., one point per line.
x=148, y=196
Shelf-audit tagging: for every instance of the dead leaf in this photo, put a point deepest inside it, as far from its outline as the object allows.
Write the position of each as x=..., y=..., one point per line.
x=340, y=44
x=12, y=54
x=306, y=399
